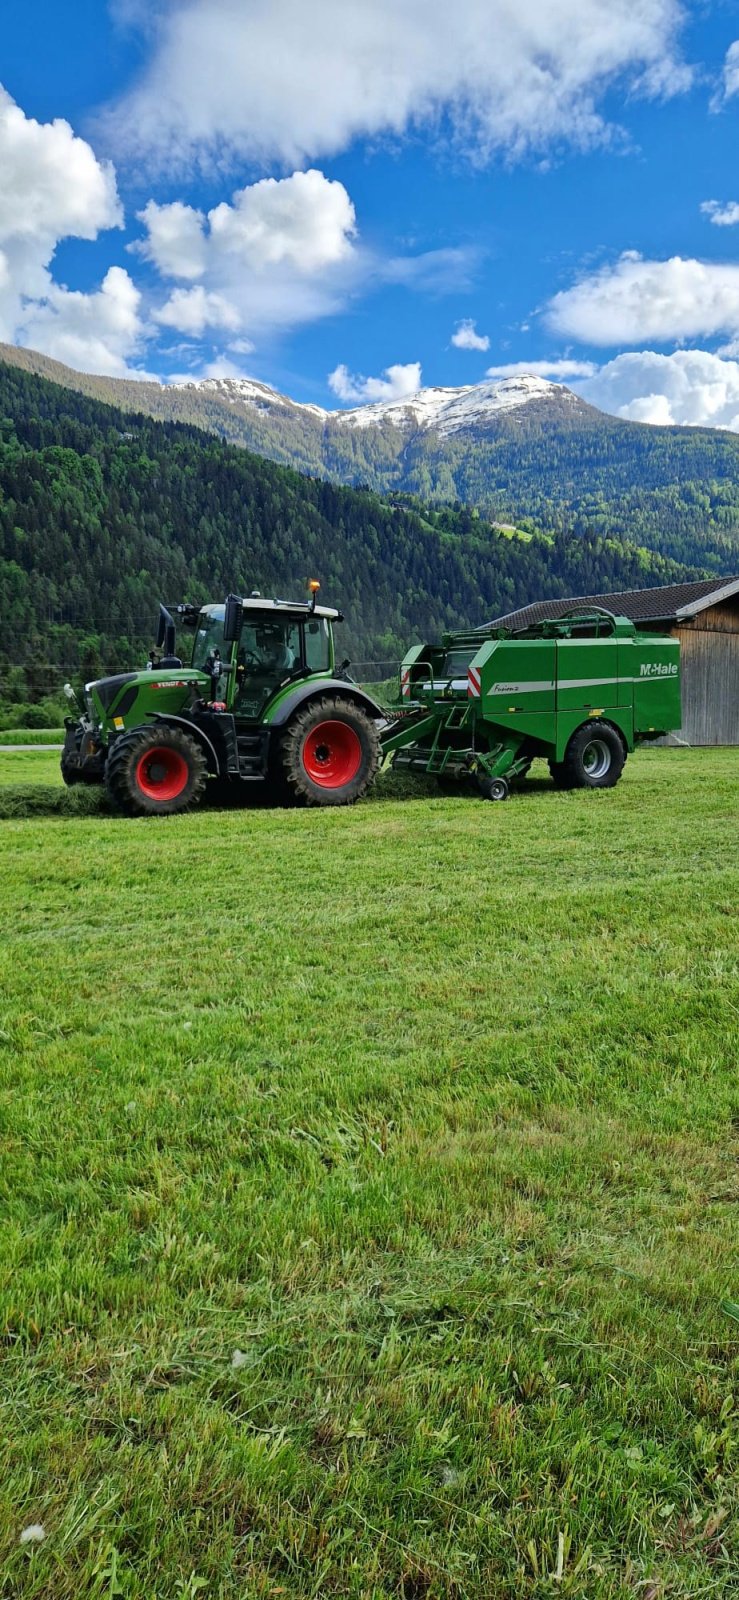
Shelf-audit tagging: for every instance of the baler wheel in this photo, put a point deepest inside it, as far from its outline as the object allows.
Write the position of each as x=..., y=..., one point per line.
x=594, y=758
x=328, y=754
x=155, y=771
x=493, y=788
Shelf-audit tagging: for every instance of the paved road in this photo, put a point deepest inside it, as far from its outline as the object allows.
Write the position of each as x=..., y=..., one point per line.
x=27, y=747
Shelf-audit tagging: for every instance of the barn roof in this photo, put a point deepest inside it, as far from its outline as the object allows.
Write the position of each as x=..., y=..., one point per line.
x=673, y=602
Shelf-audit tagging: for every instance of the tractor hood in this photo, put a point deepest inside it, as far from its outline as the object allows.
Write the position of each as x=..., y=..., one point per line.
x=130, y=698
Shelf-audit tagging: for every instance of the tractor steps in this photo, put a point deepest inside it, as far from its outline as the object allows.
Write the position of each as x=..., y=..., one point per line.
x=251, y=753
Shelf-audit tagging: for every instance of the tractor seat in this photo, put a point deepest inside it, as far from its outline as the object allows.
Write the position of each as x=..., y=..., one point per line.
x=169, y=662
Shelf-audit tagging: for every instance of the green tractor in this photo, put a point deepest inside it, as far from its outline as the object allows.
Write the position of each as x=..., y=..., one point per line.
x=261, y=701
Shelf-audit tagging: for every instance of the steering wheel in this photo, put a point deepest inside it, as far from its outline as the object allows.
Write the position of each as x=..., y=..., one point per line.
x=251, y=662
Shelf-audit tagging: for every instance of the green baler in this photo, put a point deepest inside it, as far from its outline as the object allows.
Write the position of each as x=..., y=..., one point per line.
x=581, y=691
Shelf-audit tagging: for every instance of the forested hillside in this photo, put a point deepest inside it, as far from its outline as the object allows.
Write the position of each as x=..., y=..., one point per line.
x=102, y=513
x=559, y=461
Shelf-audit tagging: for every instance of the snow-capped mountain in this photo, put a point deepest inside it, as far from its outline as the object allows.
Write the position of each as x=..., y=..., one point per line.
x=445, y=411
x=243, y=391
x=440, y=443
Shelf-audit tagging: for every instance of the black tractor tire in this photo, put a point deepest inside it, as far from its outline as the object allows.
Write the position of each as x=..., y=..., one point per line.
x=155, y=771
x=328, y=754
x=594, y=758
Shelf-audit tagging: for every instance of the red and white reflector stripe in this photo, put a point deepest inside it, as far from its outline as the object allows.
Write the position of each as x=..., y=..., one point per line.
x=405, y=683
x=473, y=683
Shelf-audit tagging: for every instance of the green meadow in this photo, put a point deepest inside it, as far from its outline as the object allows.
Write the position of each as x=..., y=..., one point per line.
x=369, y=1193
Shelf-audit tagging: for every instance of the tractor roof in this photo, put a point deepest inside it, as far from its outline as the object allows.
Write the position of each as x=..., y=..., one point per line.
x=299, y=608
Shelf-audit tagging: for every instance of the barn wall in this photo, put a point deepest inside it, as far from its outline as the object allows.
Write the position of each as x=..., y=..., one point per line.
x=721, y=619
x=709, y=650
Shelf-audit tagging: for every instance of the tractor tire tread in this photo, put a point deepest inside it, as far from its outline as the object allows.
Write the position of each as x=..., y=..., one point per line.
x=292, y=782
x=124, y=755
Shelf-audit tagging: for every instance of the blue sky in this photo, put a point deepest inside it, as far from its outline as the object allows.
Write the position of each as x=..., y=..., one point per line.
x=335, y=192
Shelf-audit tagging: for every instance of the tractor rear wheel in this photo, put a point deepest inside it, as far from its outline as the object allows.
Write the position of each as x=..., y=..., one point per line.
x=155, y=772
x=328, y=754
x=594, y=758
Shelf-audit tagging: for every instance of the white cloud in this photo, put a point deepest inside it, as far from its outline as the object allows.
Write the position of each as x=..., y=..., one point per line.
x=557, y=370
x=434, y=272
x=222, y=367
x=306, y=221
x=97, y=332
x=730, y=75
x=282, y=253
x=466, y=337
x=690, y=387
x=723, y=214
x=175, y=242
x=636, y=300
x=397, y=383
x=287, y=82
x=52, y=185
x=194, y=310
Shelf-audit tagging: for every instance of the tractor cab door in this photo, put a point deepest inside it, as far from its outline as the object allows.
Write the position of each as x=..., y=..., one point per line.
x=273, y=649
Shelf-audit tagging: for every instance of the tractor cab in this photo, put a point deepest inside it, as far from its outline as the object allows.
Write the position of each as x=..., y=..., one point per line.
x=251, y=649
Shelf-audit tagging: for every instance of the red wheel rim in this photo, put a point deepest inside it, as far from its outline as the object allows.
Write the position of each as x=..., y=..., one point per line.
x=161, y=773
x=332, y=754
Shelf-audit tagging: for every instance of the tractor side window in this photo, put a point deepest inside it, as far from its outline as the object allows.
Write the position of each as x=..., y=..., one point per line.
x=317, y=652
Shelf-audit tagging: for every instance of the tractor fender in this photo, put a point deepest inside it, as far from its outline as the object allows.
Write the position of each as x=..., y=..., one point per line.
x=215, y=765
x=315, y=688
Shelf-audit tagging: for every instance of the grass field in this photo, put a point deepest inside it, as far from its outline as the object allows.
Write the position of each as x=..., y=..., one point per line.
x=31, y=736
x=369, y=1196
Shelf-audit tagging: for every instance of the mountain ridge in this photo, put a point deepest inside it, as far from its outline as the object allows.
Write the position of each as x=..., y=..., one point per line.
x=432, y=406
x=516, y=449
x=444, y=409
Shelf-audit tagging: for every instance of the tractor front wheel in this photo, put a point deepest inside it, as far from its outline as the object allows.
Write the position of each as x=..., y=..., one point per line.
x=328, y=754
x=155, y=772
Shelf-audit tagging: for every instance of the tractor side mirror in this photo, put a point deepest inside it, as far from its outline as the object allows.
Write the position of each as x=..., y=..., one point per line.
x=233, y=619
x=166, y=631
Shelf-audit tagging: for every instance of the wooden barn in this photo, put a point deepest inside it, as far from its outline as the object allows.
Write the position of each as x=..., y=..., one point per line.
x=705, y=618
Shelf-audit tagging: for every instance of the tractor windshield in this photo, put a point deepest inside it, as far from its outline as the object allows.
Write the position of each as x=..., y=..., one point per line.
x=209, y=638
